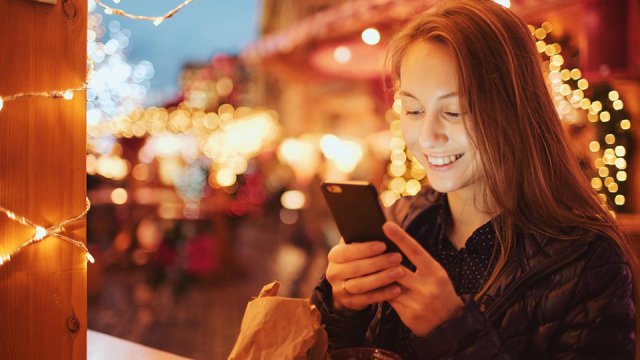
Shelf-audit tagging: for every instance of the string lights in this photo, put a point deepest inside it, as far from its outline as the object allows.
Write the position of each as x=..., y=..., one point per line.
x=228, y=138
x=404, y=170
x=611, y=164
x=66, y=94
x=41, y=233
x=157, y=20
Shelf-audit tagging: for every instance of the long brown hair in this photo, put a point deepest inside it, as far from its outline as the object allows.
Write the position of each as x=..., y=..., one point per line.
x=530, y=174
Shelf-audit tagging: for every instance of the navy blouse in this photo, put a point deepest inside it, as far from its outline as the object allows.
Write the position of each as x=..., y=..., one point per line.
x=468, y=268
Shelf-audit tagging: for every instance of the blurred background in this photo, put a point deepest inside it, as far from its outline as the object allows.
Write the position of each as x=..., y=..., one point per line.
x=209, y=134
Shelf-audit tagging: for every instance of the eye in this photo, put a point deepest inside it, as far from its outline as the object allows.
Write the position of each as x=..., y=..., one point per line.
x=415, y=113
x=451, y=114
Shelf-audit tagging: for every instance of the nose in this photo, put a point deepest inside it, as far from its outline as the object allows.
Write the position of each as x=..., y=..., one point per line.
x=432, y=133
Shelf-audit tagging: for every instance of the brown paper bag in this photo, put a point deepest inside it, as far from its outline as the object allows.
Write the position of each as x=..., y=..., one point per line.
x=280, y=328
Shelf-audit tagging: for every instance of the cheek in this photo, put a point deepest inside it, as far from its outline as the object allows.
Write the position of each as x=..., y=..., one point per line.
x=411, y=135
x=410, y=132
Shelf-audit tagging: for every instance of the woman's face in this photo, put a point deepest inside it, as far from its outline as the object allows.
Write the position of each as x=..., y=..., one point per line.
x=432, y=119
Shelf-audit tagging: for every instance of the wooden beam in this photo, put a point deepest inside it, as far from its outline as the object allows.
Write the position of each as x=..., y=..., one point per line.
x=42, y=177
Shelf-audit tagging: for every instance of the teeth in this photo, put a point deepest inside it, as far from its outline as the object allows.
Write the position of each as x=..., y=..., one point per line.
x=443, y=160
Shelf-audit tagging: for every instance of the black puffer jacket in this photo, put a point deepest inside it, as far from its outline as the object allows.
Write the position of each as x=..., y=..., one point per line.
x=553, y=299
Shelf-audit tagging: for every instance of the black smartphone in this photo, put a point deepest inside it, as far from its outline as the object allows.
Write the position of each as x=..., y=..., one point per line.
x=356, y=209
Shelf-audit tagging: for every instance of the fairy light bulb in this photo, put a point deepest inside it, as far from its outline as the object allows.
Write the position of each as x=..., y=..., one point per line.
x=342, y=54
x=370, y=36
x=54, y=231
x=40, y=233
x=157, y=20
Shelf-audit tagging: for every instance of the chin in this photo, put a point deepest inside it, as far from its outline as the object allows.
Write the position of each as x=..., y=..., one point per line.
x=449, y=182
x=444, y=187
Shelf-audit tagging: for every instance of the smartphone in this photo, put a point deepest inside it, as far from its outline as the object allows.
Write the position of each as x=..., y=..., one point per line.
x=356, y=209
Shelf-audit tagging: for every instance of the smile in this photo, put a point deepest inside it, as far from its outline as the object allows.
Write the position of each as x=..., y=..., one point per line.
x=443, y=160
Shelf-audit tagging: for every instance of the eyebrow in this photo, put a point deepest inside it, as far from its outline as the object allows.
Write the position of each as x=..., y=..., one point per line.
x=442, y=97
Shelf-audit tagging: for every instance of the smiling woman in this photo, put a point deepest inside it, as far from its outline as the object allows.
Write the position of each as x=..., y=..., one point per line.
x=513, y=253
x=432, y=120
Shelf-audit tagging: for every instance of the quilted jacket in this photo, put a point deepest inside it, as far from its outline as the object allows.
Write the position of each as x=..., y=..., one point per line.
x=554, y=299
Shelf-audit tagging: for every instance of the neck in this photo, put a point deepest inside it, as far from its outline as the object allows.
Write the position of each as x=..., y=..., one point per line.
x=466, y=217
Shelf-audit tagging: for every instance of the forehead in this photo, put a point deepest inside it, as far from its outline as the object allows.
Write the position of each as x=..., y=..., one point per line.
x=428, y=68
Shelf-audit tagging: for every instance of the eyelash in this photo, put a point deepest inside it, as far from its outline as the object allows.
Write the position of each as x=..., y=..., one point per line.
x=412, y=113
x=453, y=115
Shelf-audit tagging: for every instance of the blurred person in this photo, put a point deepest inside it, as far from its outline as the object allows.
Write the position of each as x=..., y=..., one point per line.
x=309, y=235
x=513, y=253
x=202, y=252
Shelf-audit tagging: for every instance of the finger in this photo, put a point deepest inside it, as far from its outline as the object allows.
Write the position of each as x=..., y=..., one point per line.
x=400, y=302
x=368, y=283
x=362, y=300
x=409, y=246
x=336, y=273
x=368, y=266
x=344, y=253
x=408, y=279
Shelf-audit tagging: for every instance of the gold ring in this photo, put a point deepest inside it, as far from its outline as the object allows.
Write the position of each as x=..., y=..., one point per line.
x=344, y=288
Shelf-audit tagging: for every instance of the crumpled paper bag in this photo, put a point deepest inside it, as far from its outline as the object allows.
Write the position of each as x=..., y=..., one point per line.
x=280, y=328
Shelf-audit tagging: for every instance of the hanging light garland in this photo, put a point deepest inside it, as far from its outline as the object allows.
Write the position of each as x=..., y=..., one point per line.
x=56, y=230
x=66, y=94
x=611, y=166
x=41, y=233
x=404, y=170
x=157, y=20
x=229, y=137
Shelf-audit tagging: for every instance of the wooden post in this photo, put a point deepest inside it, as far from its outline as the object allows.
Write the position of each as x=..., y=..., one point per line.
x=43, y=310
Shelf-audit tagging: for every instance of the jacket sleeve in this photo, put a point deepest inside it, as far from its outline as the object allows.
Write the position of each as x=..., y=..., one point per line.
x=344, y=328
x=468, y=335
x=601, y=320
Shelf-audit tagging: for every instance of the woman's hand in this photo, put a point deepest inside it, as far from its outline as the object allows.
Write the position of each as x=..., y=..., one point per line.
x=428, y=298
x=361, y=274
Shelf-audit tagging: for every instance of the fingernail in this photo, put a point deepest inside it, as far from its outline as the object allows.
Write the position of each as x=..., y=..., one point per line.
x=395, y=258
x=389, y=226
x=378, y=247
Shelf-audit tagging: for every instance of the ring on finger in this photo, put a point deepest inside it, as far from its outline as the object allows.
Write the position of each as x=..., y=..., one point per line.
x=344, y=288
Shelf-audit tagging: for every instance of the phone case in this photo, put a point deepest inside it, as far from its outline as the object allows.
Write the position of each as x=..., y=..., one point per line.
x=357, y=212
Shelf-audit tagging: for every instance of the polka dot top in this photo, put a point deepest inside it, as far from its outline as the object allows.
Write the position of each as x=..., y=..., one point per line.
x=468, y=268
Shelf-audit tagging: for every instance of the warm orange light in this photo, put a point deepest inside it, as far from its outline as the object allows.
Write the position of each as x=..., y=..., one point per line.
x=293, y=199
x=119, y=196
x=342, y=54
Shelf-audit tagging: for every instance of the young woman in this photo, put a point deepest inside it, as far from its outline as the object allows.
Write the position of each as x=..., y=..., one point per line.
x=513, y=254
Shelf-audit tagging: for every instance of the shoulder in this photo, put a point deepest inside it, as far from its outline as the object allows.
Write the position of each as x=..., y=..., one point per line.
x=606, y=266
x=604, y=250
x=407, y=208
x=596, y=247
